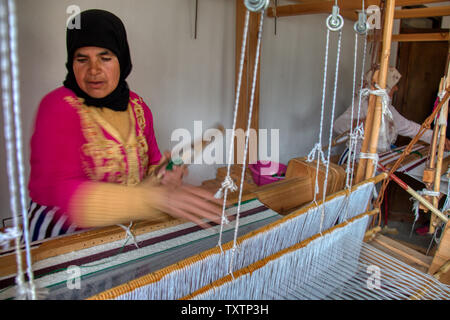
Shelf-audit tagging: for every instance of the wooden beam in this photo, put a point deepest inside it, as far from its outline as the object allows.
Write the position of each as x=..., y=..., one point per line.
x=398, y=3
x=315, y=7
x=246, y=84
x=349, y=14
x=419, y=37
x=442, y=255
x=422, y=12
x=402, y=3
x=410, y=254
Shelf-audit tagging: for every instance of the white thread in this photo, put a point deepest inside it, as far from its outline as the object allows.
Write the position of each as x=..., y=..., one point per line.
x=26, y=291
x=352, y=137
x=385, y=99
x=358, y=132
x=312, y=154
x=333, y=108
x=18, y=134
x=372, y=156
x=7, y=70
x=236, y=107
x=442, y=117
x=244, y=160
x=318, y=146
x=415, y=208
x=228, y=184
x=430, y=193
x=129, y=234
x=8, y=235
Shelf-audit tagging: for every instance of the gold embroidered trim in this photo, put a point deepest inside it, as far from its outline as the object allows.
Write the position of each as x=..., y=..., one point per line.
x=108, y=155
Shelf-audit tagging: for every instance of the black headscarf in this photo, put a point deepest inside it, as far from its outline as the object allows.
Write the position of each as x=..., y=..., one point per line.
x=99, y=28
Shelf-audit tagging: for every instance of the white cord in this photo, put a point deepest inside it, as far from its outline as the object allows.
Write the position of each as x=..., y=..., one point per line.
x=129, y=234
x=244, y=160
x=318, y=146
x=333, y=108
x=23, y=289
x=236, y=107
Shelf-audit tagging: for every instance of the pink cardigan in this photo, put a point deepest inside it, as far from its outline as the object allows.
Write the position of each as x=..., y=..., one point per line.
x=73, y=144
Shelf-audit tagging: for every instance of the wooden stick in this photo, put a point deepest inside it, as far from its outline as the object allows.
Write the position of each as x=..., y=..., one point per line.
x=429, y=171
x=417, y=37
x=438, y=11
x=384, y=66
x=442, y=255
x=440, y=156
x=361, y=169
x=444, y=269
x=417, y=196
x=420, y=37
x=404, y=251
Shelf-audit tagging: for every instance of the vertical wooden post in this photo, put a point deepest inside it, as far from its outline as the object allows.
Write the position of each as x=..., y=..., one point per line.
x=440, y=155
x=246, y=87
x=361, y=170
x=384, y=66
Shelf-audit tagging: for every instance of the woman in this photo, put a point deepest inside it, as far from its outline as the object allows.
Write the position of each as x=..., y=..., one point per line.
x=403, y=126
x=93, y=144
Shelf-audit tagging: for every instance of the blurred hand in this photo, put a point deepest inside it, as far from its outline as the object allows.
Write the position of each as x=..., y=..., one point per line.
x=172, y=177
x=187, y=202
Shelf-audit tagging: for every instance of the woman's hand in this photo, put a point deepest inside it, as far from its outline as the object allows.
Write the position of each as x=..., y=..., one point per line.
x=173, y=177
x=187, y=202
x=179, y=200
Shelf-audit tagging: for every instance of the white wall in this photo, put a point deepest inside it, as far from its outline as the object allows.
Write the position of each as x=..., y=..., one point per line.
x=292, y=76
x=184, y=79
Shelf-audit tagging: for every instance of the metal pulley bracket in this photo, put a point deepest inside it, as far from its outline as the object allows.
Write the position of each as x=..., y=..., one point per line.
x=256, y=5
x=361, y=26
x=335, y=21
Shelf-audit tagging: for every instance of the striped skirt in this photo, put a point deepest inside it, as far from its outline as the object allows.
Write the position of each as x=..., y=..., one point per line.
x=48, y=222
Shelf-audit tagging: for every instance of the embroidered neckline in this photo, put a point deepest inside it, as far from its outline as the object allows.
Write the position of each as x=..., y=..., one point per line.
x=108, y=155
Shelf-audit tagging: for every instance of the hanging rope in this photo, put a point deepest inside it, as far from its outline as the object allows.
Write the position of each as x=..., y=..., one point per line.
x=13, y=141
x=334, y=22
x=361, y=28
x=358, y=134
x=247, y=136
x=224, y=190
x=318, y=147
x=336, y=75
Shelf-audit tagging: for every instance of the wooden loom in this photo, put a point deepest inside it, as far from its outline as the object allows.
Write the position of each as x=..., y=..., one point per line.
x=282, y=196
x=365, y=170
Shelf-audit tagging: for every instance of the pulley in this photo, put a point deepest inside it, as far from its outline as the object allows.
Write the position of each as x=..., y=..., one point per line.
x=361, y=26
x=335, y=21
x=256, y=5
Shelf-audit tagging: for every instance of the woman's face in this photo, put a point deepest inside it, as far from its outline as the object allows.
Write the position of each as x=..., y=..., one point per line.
x=97, y=71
